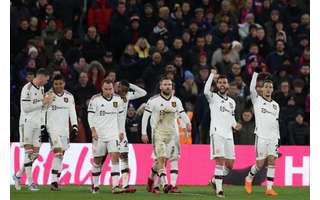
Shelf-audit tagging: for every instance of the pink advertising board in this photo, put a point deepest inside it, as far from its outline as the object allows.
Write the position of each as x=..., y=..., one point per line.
x=195, y=167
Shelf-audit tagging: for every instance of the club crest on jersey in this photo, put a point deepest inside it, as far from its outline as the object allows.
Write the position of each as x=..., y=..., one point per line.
x=115, y=104
x=274, y=107
x=65, y=99
x=174, y=104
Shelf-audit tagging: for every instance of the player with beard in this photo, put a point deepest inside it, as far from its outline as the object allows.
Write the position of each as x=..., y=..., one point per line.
x=221, y=129
x=164, y=110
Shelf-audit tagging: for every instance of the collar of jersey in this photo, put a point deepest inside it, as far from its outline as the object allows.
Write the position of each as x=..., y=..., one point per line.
x=106, y=98
x=222, y=96
x=58, y=94
x=34, y=85
x=165, y=97
x=266, y=99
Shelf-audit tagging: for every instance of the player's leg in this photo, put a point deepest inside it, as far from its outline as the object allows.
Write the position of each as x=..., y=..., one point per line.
x=261, y=155
x=174, y=175
x=96, y=171
x=218, y=154
x=99, y=150
x=152, y=175
x=272, y=156
x=17, y=176
x=29, y=138
x=124, y=166
x=218, y=177
x=113, y=149
x=270, y=175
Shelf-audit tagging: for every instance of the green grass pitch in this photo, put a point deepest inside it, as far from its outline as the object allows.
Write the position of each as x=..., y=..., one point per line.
x=189, y=193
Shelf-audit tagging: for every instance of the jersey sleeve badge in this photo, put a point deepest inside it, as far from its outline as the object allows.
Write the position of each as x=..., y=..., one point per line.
x=65, y=99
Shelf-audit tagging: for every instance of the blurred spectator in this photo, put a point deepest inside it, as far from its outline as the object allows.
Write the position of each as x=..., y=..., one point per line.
x=189, y=89
x=142, y=48
x=151, y=74
x=224, y=57
x=246, y=134
x=48, y=16
x=234, y=93
x=133, y=125
x=83, y=91
x=299, y=133
x=99, y=16
x=275, y=59
x=96, y=74
x=93, y=48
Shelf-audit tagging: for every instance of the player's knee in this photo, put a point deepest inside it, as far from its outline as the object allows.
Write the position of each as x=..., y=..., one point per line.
x=271, y=160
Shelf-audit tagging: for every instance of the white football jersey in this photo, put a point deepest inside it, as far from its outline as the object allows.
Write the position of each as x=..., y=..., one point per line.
x=59, y=112
x=164, y=113
x=31, y=104
x=106, y=116
x=221, y=112
x=266, y=114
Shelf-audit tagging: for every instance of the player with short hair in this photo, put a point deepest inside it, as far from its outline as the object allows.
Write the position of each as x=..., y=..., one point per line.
x=126, y=95
x=106, y=120
x=32, y=102
x=164, y=110
x=223, y=122
x=58, y=114
x=174, y=155
x=266, y=112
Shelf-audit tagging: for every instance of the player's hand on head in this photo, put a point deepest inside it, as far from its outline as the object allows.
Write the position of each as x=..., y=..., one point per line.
x=145, y=139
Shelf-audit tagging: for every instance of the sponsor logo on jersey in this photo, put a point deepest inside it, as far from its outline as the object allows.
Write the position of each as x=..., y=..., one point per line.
x=65, y=99
x=174, y=104
x=115, y=104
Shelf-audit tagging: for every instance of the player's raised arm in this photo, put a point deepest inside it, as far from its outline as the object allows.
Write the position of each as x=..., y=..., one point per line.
x=207, y=86
x=253, y=91
x=146, y=114
x=138, y=92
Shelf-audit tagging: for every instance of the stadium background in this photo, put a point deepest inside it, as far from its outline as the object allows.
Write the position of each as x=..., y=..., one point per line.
x=138, y=40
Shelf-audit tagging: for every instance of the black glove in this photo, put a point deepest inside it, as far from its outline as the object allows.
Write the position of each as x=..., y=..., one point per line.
x=257, y=69
x=74, y=132
x=44, y=136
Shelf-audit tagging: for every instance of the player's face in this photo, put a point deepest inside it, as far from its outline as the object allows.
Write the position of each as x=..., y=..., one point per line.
x=43, y=79
x=58, y=86
x=222, y=85
x=166, y=87
x=107, y=89
x=122, y=90
x=267, y=89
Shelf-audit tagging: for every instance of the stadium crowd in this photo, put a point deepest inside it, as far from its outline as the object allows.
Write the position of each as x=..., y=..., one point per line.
x=137, y=40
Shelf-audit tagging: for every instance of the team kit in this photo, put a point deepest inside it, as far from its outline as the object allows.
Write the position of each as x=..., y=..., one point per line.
x=52, y=115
